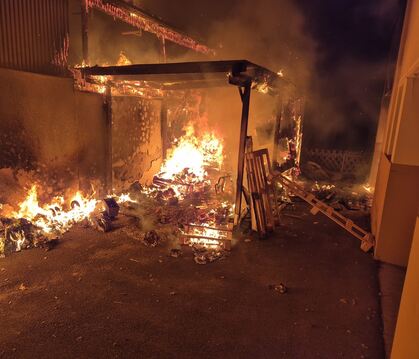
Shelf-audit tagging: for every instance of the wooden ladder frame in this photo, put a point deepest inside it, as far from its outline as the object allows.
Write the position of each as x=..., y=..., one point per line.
x=366, y=238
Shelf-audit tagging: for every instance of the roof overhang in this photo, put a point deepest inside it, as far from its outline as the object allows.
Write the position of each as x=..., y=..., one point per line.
x=184, y=75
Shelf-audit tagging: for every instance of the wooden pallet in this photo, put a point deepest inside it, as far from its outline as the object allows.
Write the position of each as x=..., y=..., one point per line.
x=221, y=236
x=366, y=238
x=258, y=168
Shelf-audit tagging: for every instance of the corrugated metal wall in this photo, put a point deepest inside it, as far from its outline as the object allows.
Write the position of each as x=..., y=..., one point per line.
x=34, y=35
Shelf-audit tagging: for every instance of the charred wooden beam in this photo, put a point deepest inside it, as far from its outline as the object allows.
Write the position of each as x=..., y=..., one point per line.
x=108, y=149
x=245, y=97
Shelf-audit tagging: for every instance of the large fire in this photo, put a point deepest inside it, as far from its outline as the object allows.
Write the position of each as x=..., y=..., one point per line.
x=192, y=155
x=192, y=170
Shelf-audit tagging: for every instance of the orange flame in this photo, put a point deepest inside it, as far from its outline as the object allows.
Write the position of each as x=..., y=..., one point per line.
x=53, y=217
x=194, y=154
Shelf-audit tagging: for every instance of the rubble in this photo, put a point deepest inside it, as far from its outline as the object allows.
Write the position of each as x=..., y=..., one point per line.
x=102, y=222
x=175, y=252
x=111, y=207
x=205, y=255
x=280, y=288
x=180, y=194
x=151, y=238
x=133, y=232
x=343, y=197
x=18, y=234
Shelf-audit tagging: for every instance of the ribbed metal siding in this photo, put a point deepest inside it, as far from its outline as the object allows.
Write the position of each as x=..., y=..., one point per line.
x=34, y=35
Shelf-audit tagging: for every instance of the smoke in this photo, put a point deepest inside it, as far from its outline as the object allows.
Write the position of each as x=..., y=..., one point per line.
x=335, y=52
x=355, y=57
x=267, y=32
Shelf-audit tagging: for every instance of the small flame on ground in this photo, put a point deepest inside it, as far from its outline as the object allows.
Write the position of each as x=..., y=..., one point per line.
x=123, y=198
x=54, y=217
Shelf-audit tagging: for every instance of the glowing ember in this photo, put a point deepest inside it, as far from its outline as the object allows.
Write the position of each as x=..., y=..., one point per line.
x=124, y=198
x=54, y=217
x=368, y=188
x=322, y=187
x=204, y=242
x=207, y=236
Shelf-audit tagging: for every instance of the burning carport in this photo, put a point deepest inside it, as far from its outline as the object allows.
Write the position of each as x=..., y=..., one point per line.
x=163, y=79
x=127, y=181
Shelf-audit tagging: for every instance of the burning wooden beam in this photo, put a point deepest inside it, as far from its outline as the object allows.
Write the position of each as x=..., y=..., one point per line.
x=245, y=98
x=139, y=19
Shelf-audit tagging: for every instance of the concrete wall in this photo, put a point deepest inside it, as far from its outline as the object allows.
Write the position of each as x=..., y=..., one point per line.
x=405, y=343
x=136, y=140
x=394, y=211
x=47, y=126
x=396, y=198
x=409, y=46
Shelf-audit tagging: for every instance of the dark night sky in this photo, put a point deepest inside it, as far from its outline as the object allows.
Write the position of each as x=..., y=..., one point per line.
x=339, y=51
x=367, y=34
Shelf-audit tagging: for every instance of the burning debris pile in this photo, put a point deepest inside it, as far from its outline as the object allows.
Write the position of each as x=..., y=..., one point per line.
x=344, y=197
x=185, y=170
x=35, y=225
x=186, y=199
x=181, y=195
x=18, y=234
